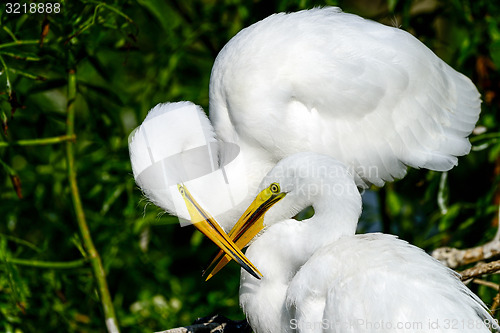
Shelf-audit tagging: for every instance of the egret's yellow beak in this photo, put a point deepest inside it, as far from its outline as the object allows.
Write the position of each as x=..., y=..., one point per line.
x=204, y=222
x=248, y=226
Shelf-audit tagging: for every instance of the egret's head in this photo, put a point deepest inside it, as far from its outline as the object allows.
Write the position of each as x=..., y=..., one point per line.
x=296, y=182
x=204, y=222
x=312, y=179
x=176, y=144
x=248, y=226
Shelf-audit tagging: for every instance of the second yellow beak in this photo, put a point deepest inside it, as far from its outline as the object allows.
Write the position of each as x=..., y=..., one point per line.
x=248, y=226
x=204, y=222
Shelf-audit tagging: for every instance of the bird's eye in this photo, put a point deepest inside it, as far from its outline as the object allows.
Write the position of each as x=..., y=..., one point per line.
x=275, y=187
x=181, y=190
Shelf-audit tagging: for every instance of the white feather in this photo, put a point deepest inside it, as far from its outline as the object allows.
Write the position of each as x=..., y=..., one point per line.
x=326, y=81
x=318, y=276
x=319, y=80
x=372, y=97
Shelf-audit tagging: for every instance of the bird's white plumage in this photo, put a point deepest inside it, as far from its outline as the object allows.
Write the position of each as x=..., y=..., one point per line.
x=322, y=80
x=372, y=97
x=176, y=144
x=159, y=137
x=161, y=160
x=320, y=277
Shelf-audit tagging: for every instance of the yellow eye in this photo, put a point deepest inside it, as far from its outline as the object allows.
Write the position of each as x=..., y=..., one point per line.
x=181, y=189
x=275, y=187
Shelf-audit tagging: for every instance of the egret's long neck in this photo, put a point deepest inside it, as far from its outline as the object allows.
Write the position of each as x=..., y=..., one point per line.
x=286, y=245
x=329, y=189
x=337, y=208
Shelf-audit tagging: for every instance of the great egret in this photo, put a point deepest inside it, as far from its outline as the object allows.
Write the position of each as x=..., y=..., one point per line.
x=370, y=95
x=318, y=276
x=320, y=80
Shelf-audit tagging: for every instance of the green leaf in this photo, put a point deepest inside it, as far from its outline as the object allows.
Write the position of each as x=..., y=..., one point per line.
x=391, y=4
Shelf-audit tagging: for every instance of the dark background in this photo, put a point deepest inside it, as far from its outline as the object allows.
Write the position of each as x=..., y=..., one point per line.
x=130, y=55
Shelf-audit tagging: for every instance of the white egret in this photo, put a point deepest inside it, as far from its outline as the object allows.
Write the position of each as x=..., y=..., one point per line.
x=158, y=172
x=321, y=80
x=370, y=95
x=318, y=276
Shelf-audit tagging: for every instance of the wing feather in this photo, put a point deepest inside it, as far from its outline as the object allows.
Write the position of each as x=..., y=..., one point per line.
x=321, y=80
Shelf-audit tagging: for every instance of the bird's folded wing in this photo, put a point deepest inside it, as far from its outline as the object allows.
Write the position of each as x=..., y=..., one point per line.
x=370, y=95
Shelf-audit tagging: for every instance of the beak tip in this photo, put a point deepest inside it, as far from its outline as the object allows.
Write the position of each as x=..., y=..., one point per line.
x=257, y=275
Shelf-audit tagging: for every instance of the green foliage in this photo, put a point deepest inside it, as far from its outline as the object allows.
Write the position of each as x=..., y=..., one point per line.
x=130, y=55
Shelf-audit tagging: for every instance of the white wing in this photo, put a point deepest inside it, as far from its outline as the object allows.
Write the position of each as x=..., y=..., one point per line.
x=176, y=145
x=321, y=80
x=383, y=284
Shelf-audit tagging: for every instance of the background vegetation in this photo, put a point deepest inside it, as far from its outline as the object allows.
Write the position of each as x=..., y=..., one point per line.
x=74, y=84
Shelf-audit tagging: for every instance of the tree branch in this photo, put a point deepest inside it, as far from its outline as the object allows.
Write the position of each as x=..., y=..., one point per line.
x=454, y=258
x=38, y=142
x=480, y=269
x=213, y=324
x=93, y=255
x=19, y=42
x=197, y=328
x=489, y=284
x=48, y=264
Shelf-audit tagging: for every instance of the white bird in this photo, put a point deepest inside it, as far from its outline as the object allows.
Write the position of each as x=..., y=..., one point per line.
x=370, y=95
x=318, y=276
x=321, y=80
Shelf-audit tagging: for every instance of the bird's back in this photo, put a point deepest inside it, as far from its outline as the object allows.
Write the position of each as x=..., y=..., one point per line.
x=321, y=80
x=378, y=283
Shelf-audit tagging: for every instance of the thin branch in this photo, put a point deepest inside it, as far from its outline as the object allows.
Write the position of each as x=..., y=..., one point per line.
x=20, y=241
x=18, y=57
x=99, y=5
x=39, y=142
x=93, y=255
x=480, y=269
x=198, y=328
x=496, y=303
x=492, y=285
x=489, y=284
x=48, y=264
x=14, y=178
x=113, y=9
x=19, y=42
x=213, y=324
x=11, y=34
x=454, y=258
x=7, y=77
x=26, y=74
